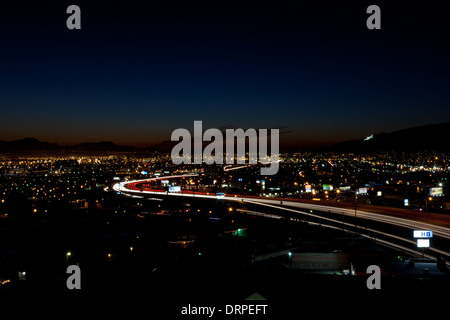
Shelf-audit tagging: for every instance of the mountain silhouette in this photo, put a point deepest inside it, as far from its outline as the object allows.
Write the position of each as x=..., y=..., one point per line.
x=32, y=144
x=432, y=137
x=26, y=144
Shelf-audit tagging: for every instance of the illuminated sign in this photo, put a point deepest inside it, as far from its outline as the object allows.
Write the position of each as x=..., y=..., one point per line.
x=220, y=195
x=175, y=189
x=362, y=191
x=423, y=234
x=327, y=187
x=307, y=187
x=423, y=243
x=406, y=202
x=379, y=193
x=438, y=191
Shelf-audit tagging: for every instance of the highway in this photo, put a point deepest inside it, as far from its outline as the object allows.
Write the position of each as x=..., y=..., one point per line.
x=329, y=215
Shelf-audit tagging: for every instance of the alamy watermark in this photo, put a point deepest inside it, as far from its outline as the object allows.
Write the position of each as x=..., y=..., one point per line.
x=214, y=153
x=74, y=280
x=374, y=280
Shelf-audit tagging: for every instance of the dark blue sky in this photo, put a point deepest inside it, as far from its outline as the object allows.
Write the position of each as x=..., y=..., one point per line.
x=136, y=72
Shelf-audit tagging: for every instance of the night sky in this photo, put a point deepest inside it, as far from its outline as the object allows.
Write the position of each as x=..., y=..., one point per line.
x=135, y=72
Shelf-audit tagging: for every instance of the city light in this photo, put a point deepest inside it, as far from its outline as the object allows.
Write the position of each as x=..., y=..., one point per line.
x=326, y=189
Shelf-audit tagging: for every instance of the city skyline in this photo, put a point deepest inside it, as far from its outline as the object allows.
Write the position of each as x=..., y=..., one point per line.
x=135, y=73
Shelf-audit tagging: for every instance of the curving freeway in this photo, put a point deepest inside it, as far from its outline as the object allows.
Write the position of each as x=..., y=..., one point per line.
x=329, y=215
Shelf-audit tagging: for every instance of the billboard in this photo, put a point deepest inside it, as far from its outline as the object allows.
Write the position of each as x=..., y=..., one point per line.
x=307, y=188
x=438, y=191
x=423, y=243
x=362, y=191
x=327, y=187
x=175, y=189
x=423, y=234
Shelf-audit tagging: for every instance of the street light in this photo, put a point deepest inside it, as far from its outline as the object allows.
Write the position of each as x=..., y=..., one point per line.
x=426, y=203
x=68, y=255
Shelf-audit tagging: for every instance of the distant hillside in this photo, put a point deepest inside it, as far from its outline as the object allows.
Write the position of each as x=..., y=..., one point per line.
x=428, y=137
x=32, y=144
x=26, y=144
